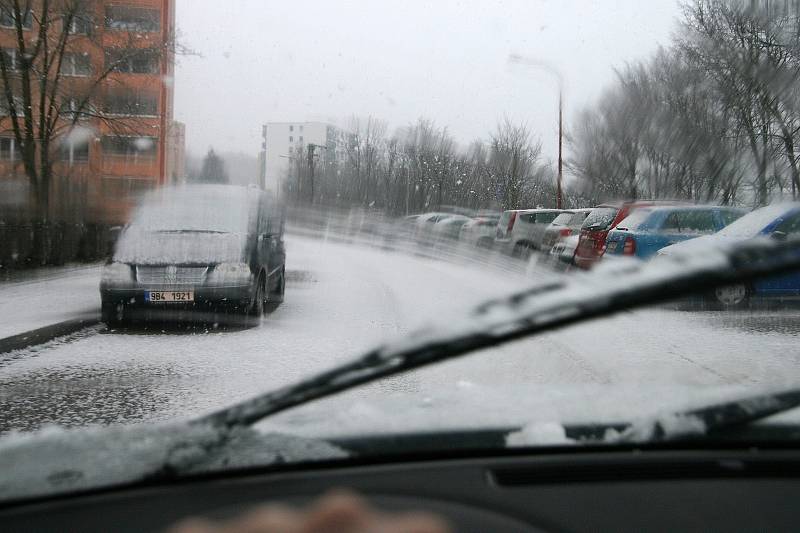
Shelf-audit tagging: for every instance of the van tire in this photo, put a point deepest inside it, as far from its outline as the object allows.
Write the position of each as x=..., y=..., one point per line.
x=275, y=297
x=257, y=305
x=112, y=314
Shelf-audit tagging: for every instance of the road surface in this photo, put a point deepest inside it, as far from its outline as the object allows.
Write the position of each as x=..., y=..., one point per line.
x=342, y=299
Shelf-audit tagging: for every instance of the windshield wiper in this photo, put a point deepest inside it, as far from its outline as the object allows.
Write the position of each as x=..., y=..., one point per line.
x=182, y=231
x=611, y=288
x=710, y=419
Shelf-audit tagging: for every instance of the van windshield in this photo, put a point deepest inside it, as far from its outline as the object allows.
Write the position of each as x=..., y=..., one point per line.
x=192, y=211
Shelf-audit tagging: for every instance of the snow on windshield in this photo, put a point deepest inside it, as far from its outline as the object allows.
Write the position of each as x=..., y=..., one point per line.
x=754, y=223
x=600, y=218
x=632, y=221
x=137, y=286
x=201, y=209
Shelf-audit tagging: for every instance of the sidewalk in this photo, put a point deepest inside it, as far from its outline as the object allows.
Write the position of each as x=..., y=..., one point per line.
x=44, y=297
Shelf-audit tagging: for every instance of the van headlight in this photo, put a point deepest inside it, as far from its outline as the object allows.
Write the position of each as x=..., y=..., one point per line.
x=234, y=269
x=117, y=273
x=231, y=273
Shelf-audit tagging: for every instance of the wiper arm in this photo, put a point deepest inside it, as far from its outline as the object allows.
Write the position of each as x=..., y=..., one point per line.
x=182, y=231
x=711, y=419
x=609, y=289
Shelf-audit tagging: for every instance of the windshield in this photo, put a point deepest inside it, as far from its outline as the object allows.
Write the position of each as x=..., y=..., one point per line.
x=635, y=219
x=216, y=210
x=754, y=223
x=204, y=202
x=600, y=219
x=563, y=219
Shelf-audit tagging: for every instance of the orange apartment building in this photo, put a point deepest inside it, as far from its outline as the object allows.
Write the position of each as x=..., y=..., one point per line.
x=129, y=143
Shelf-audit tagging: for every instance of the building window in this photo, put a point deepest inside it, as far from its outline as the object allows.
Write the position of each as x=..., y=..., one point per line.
x=12, y=59
x=291, y=128
x=74, y=151
x=291, y=139
x=133, y=19
x=8, y=20
x=76, y=64
x=301, y=129
x=81, y=24
x=301, y=139
x=74, y=109
x=9, y=150
x=130, y=61
x=131, y=104
x=130, y=147
x=19, y=106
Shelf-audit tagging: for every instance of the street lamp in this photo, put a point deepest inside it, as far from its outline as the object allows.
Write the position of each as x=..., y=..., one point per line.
x=530, y=62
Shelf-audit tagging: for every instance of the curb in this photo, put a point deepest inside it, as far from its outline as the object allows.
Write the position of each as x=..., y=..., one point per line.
x=46, y=334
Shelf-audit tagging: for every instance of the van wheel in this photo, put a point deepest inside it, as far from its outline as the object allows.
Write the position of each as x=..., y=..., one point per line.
x=257, y=306
x=112, y=314
x=275, y=297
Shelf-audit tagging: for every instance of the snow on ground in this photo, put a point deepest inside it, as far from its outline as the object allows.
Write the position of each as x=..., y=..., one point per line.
x=343, y=299
x=49, y=297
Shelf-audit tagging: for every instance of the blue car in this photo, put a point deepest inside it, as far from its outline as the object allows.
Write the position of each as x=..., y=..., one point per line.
x=776, y=221
x=649, y=229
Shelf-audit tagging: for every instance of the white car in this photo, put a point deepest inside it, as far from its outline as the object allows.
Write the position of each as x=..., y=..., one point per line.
x=425, y=224
x=480, y=231
x=520, y=232
x=449, y=228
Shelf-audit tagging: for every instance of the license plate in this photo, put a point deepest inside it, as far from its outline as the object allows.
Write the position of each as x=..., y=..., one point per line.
x=169, y=296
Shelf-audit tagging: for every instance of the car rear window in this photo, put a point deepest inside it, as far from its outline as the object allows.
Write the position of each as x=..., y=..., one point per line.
x=563, y=219
x=546, y=218
x=635, y=219
x=576, y=220
x=730, y=216
x=693, y=221
x=600, y=219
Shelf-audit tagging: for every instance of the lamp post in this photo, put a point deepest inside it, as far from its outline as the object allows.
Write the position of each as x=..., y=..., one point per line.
x=530, y=62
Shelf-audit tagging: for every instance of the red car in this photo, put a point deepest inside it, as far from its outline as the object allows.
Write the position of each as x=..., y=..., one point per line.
x=602, y=219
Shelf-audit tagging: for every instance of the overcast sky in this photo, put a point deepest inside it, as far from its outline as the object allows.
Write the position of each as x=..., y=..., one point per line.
x=278, y=60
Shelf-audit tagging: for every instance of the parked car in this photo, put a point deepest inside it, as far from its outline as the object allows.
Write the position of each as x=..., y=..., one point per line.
x=198, y=247
x=520, y=232
x=562, y=255
x=777, y=221
x=449, y=228
x=595, y=228
x=480, y=231
x=565, y=224
x=424, y=224
x=645, y=231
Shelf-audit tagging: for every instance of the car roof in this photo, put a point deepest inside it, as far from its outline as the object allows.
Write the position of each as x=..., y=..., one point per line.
x=658, y=208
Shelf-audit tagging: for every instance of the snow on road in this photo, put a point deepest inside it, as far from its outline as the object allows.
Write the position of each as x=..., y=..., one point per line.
x=56, y=296
x=343, y=299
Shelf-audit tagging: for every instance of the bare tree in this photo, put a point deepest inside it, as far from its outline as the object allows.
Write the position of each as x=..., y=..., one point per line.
x=58, y=79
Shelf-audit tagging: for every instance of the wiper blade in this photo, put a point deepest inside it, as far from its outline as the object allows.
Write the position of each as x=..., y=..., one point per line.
x=711, y=419
x=182, y=231
x=611, y=288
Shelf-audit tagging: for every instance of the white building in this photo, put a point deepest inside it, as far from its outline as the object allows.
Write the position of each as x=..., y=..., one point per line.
x=284, y=142
x=773, y=7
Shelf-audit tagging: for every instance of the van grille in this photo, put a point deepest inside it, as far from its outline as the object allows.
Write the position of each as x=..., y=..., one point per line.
x=171, y=275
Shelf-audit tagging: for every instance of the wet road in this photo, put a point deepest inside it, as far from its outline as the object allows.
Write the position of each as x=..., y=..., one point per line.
x=343, y=299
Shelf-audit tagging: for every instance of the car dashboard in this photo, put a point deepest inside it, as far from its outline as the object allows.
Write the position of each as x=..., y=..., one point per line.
x=738, y=489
